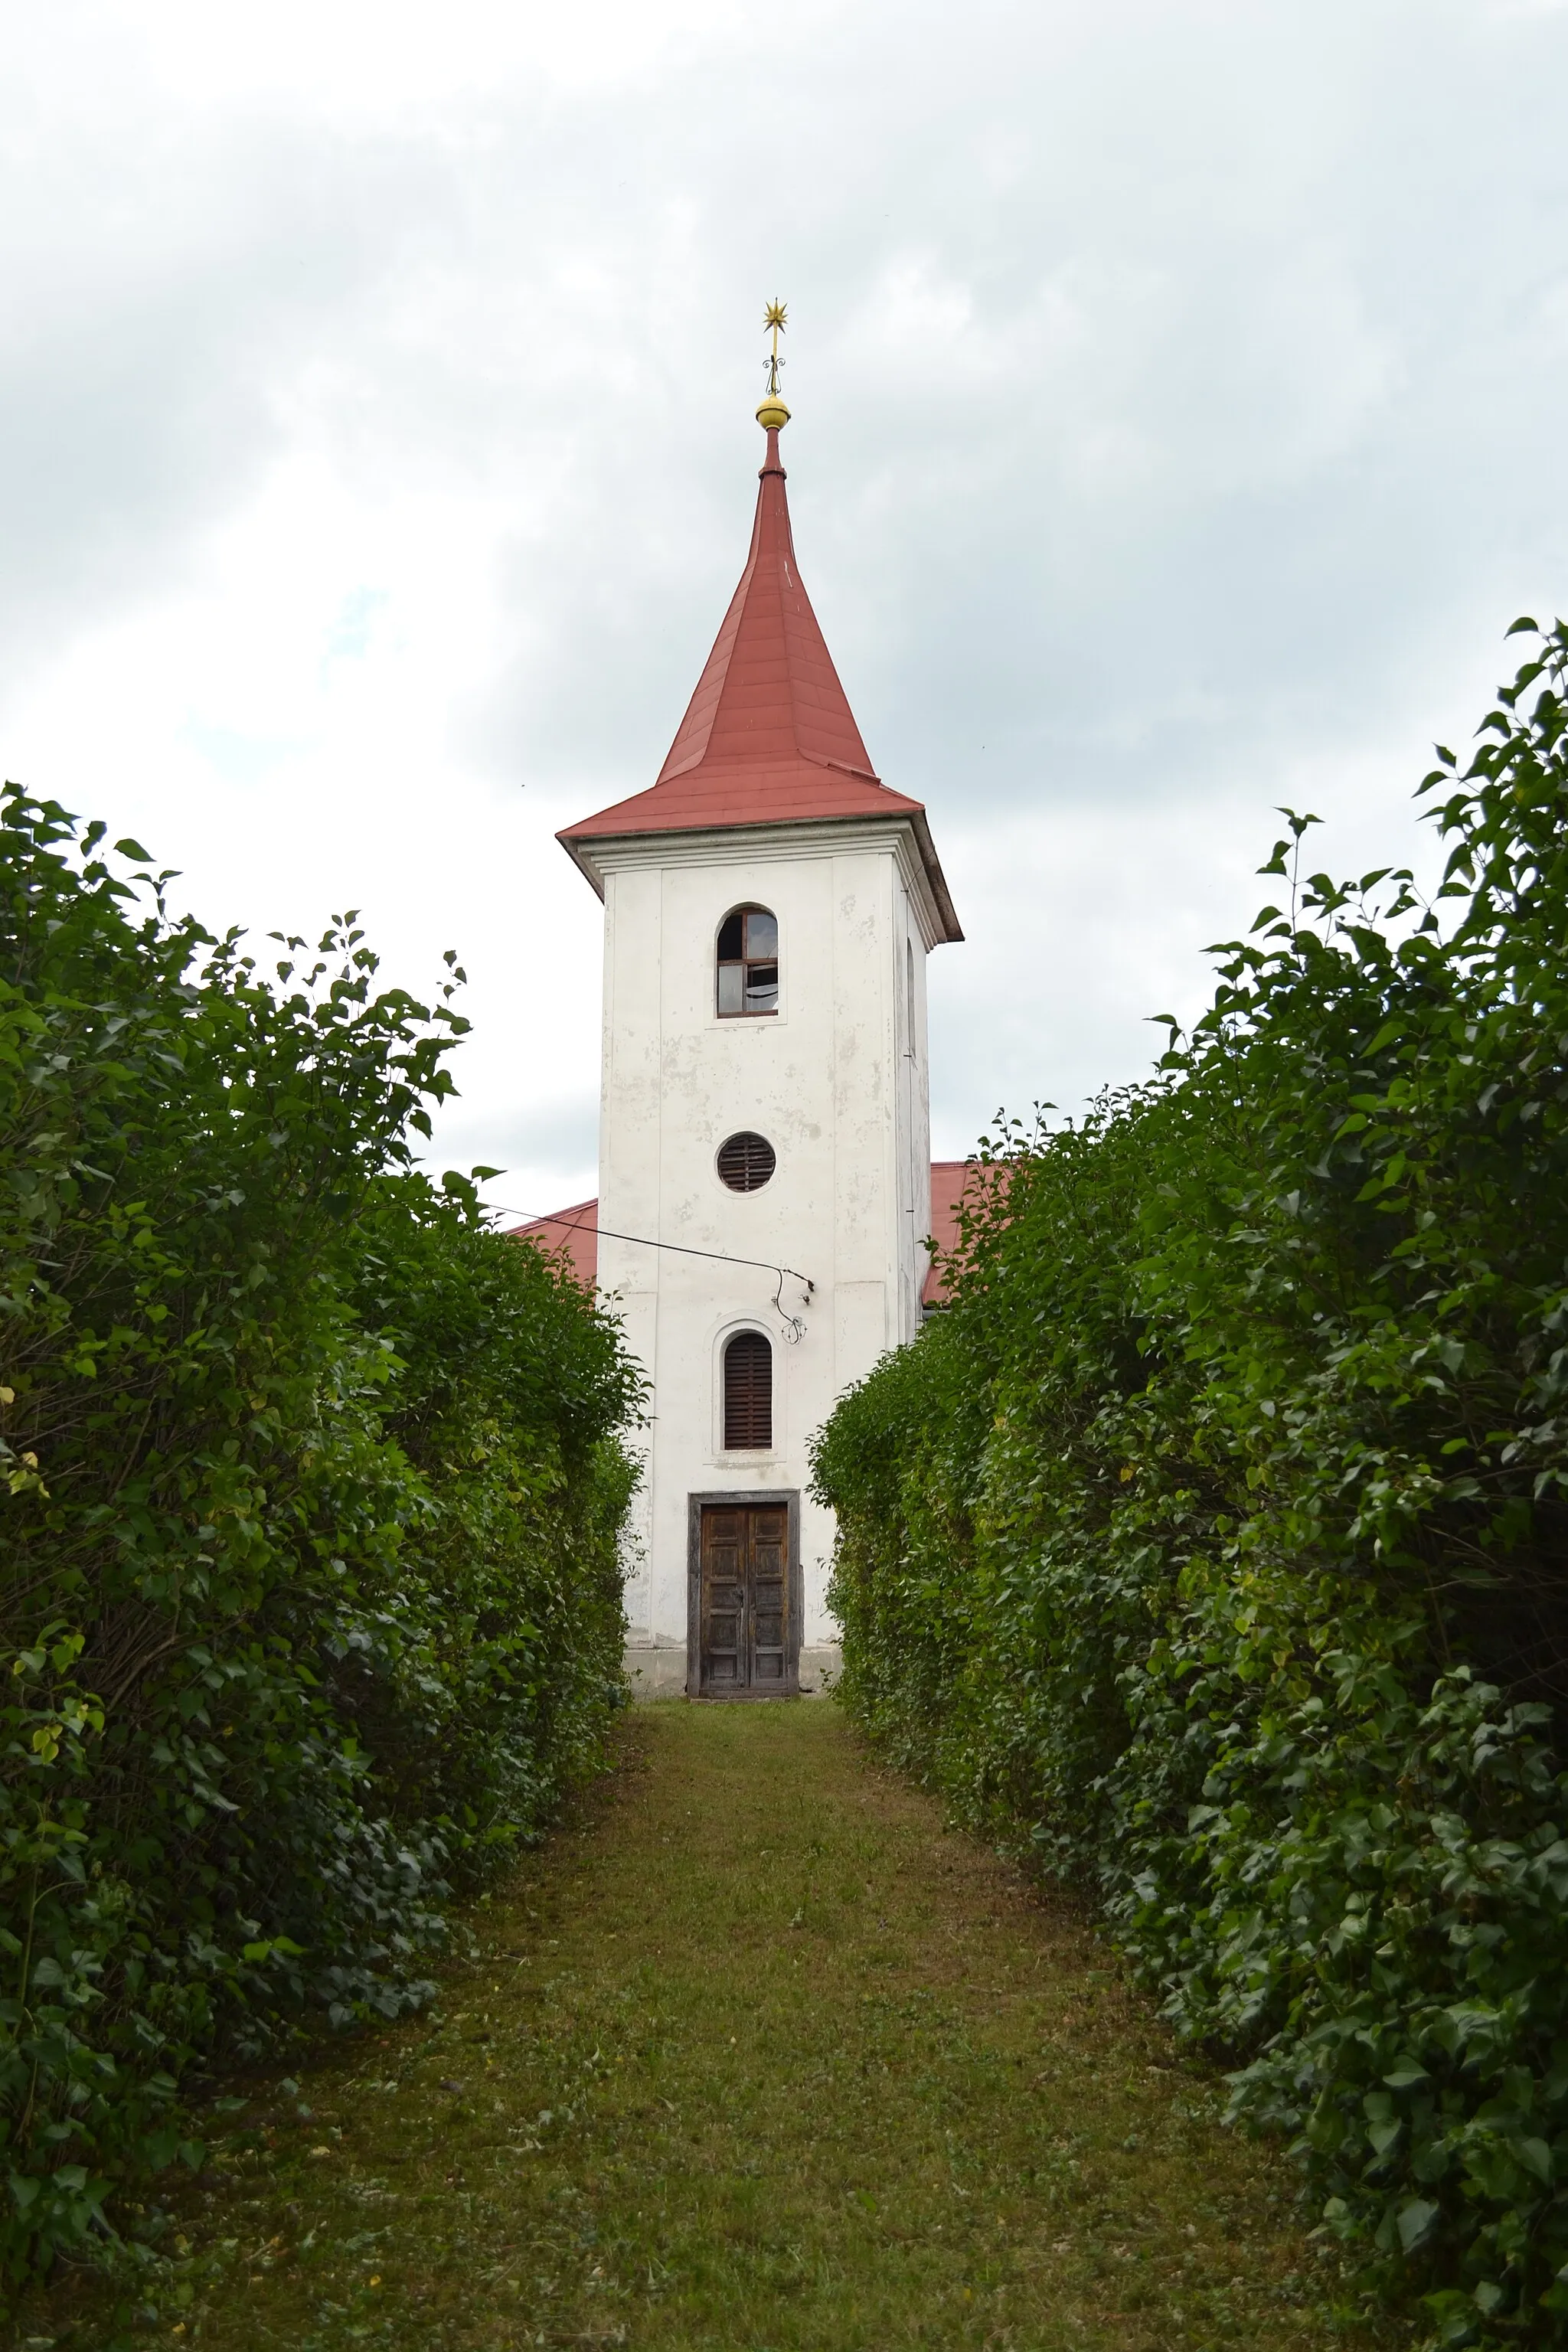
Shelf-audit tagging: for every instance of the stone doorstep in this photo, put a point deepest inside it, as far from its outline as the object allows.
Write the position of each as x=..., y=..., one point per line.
x=657, y=1669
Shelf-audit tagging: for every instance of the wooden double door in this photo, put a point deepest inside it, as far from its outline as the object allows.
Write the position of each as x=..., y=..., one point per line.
x=749, y=1646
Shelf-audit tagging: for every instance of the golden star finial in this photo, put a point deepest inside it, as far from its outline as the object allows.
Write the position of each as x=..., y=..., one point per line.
x=776, y=316
x=772, y=412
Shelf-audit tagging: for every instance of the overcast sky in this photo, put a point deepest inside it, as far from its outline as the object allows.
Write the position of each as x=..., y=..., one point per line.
x=1179, y=399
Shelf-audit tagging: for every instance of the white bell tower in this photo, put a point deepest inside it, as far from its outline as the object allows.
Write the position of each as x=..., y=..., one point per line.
x=764, y=1159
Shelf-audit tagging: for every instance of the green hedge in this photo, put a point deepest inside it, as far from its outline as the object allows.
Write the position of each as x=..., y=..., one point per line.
x=310, y=1494
x=1218, y=1535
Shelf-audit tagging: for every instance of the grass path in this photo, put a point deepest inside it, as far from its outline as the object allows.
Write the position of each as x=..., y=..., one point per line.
x=759, y=2059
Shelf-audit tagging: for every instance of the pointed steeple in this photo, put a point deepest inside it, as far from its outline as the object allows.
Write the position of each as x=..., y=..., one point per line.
x=768, y=736
x=769, y=693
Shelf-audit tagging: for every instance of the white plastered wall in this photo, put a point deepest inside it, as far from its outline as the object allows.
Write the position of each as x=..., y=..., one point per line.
x=837, y=1082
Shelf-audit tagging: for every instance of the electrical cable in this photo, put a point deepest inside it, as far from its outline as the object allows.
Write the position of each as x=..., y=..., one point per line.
x=683, y=1249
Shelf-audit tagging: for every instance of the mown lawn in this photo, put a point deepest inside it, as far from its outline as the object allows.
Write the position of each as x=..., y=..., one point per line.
x=758, y=2057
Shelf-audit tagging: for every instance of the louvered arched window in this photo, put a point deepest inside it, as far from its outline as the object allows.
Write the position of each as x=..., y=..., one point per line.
x=748, y=963
x=748, y=1392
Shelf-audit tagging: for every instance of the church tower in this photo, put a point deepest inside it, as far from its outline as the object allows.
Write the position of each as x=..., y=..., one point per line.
x=769, y=907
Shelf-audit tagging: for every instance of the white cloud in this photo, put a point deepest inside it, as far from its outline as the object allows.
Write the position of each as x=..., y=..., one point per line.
x=1178, y=392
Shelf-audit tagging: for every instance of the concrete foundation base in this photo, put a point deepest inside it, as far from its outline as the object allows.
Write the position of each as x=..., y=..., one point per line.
x=657, y=1669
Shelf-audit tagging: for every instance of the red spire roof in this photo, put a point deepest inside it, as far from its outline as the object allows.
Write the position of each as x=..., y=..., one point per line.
x=770, y=691
x=769, y=737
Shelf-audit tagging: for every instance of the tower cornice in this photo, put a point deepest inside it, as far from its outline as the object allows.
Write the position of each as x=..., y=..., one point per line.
x=905, y=832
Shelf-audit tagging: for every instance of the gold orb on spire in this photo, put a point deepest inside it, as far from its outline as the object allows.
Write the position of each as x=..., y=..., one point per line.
x=772, y=415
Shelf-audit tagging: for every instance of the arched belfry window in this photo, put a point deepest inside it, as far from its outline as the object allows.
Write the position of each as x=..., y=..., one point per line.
x=747, y=1392
x=748, y=963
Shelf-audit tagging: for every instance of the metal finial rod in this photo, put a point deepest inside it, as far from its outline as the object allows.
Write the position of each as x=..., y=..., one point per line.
x=772, y=414
x=776, y=316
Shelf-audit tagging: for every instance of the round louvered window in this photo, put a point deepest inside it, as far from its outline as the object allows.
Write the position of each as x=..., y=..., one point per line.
x=746, y=1163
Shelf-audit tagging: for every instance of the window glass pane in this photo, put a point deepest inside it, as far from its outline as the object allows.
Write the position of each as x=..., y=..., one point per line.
x=762, y=934
x=731, y=997
x=762, y=988
x=729, y=949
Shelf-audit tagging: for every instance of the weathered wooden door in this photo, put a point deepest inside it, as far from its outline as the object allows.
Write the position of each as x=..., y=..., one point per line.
x=747, y=1649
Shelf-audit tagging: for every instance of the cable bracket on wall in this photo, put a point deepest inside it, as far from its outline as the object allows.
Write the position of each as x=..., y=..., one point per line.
x=794, y=1324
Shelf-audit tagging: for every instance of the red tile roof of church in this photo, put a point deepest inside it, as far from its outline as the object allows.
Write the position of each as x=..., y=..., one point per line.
x=948, y=1178
x=951, y=1182
x=573, y=1235
x=769, y=737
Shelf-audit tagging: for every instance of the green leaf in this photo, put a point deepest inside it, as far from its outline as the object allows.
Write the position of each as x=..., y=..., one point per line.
x=1416, y=2222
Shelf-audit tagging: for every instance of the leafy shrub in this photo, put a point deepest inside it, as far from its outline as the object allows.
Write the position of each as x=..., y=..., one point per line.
x=1218, y=1533
x=308, y=1592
